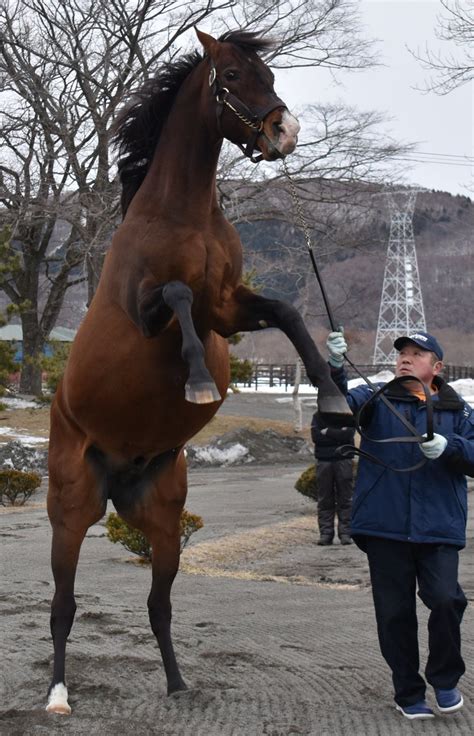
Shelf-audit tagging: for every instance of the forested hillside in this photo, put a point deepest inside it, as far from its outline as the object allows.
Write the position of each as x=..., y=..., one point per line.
x=352, y=263
x=349, y=235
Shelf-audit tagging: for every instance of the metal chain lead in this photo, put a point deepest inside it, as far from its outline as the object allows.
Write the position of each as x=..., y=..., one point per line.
x=299, y=210
x=305, y=228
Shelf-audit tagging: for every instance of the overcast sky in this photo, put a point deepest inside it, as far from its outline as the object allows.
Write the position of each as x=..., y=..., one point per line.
x=440, y=125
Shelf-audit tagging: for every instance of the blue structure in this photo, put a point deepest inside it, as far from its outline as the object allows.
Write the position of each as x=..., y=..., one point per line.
x=14, y=335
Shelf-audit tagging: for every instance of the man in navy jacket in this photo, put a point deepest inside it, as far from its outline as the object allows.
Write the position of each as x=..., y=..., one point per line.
x=412, y=525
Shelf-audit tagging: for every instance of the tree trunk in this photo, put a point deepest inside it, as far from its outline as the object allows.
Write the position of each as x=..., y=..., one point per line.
x=297, y=408
x=30, y=377
x=33, y=344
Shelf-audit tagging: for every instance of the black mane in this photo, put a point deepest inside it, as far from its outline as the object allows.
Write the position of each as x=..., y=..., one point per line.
x=138, y=126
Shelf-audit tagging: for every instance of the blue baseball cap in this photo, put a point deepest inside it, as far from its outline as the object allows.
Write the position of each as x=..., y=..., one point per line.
x=423, y=340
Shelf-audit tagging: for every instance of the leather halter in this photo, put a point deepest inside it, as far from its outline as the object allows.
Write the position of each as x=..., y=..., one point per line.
x=253, y=120
x=413, y=436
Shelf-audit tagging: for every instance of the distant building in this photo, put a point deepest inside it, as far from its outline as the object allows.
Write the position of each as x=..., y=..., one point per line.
x=14, y=335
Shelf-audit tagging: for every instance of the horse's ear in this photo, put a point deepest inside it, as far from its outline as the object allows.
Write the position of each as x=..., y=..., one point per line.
x=209, y=43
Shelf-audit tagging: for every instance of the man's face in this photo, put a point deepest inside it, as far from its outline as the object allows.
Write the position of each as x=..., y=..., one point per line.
x=414, y=361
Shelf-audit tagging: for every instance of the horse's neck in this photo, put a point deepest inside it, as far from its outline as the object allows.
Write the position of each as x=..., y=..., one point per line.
x=182, y=176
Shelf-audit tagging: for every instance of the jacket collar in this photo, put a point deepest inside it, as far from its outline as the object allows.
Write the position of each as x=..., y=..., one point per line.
x=446, y=398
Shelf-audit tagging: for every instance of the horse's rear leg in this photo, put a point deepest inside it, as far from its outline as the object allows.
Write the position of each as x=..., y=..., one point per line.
x=64, y=557
x=75, y=502
x=200, y=387
x=165, y=550
x=158, y=516
x=70, y=524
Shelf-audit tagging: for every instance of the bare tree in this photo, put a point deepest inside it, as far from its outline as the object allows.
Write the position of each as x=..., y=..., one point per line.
x=453, y=69
x=65, y=68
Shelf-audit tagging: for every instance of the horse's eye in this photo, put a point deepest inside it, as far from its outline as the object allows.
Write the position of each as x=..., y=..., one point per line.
x=231, y=75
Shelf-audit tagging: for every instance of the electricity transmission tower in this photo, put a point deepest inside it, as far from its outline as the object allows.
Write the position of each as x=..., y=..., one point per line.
x=401, y=306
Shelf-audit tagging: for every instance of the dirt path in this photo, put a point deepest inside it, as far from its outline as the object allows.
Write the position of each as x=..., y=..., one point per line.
x=275, y=635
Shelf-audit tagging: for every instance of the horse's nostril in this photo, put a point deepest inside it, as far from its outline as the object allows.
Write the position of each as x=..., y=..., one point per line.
x=278, y=128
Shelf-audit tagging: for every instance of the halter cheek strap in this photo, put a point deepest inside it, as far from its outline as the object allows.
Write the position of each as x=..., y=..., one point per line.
x=253, y=120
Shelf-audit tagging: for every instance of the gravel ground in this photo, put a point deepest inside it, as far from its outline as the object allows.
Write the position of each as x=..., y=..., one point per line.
x=268, y=406
x=275, y=635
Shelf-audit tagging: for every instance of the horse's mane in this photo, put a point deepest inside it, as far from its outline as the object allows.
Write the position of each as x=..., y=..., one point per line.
x=138, y=127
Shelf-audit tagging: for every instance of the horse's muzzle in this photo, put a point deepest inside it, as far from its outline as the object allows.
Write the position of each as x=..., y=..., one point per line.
x=280, y=137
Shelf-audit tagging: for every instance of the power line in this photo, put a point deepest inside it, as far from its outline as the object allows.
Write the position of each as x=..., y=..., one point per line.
x=445, y=155
x=443, y=159
x=433, y=161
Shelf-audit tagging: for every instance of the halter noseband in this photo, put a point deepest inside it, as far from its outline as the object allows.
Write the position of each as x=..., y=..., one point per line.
x=253, y=120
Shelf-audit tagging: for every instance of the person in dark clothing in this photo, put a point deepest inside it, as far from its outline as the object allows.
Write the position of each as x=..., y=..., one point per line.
x=333, y=480
x=412, y=525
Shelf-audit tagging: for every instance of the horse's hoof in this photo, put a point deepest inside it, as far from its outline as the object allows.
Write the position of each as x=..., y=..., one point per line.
x=57, y=701
x=334, y=405
x=177, y=688
x=202, y=393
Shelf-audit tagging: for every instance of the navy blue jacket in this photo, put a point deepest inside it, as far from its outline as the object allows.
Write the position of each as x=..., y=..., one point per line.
x=426, y=505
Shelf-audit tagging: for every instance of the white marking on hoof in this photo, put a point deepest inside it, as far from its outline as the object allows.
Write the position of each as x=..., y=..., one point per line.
x=202, y=393
x=57, y=701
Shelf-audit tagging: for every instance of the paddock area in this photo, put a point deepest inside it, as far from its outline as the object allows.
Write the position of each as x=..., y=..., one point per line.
x=275, y=635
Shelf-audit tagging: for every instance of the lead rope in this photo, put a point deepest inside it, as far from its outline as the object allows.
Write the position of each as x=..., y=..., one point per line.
x=378, y=391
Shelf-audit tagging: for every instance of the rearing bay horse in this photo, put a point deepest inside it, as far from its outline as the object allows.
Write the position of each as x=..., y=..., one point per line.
x=149, y=366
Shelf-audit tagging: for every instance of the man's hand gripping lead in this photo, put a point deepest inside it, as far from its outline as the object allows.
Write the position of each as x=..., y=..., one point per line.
x=337, y=347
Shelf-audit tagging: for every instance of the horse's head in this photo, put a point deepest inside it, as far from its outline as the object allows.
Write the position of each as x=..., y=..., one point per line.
x=249, y=112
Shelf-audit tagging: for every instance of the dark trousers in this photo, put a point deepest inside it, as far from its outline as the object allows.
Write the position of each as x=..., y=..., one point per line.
x=334, y=484
x=395, y=570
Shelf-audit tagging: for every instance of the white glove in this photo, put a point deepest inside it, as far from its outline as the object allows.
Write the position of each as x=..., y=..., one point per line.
x=435, y=447
x=336, y=346
x=325, y=430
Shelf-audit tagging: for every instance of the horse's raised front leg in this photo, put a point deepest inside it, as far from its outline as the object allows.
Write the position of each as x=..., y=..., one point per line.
x=158, y=516
x=156, y=308
x=249, y=312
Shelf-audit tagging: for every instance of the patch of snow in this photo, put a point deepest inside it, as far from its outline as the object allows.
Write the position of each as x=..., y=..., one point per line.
x=17, y=434
x=309, y=400
x=247, y=446
x=13, y=402
x=18, y=456
x=306, y=390
x=264, y=389
x=211, y=455
x=463, y=386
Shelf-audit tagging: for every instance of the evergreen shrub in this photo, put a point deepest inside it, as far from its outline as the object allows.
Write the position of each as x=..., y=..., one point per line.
x=136, y=542
x=306, y=483
x=16, y=486
x=55, y=364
